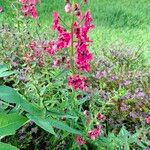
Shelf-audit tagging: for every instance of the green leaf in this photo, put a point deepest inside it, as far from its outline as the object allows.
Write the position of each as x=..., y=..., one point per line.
x=43, y=123
x=9, y=95
x=3, y=68
x=63, y=126
x=9, y=123
x=57, y=124
x=4, y=72
x=124, y=135
x=133, y=138
x=4, y=146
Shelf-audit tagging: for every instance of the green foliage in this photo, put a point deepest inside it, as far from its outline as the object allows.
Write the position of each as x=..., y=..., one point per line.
x=4, y=71
x=4, y=146
x=9, y=95
x=42, y=95
x=9, y=123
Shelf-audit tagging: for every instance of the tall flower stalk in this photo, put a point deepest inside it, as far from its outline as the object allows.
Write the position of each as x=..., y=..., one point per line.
x=76, y=40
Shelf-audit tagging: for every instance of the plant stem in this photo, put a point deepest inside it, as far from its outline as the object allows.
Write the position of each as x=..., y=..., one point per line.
x=72, y=46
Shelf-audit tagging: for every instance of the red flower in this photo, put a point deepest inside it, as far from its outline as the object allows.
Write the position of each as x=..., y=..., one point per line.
x=80, y=141
x=148, y=120
x=76, y=82
x=94, y=133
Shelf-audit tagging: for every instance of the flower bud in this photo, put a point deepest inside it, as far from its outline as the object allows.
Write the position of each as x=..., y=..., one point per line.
x=84, y=1
x=68, y=8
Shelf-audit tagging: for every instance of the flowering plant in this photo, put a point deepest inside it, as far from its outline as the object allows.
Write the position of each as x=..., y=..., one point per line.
x=81, y=99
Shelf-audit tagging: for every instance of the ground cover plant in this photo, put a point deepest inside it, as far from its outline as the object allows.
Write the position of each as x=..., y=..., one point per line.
x=61, y=89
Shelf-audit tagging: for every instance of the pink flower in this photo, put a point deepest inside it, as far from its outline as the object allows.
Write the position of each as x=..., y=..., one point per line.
x=1, y=9
x=77, y=82
x=56, y=24
x=55, y=20
x=68, y=8
x=77, y=11
x=68, y=63
x=56, y=62
x=86, y=113
x=33, y=2
x=80, y=141
x=29, y=8
x=94, y=133
x=50, y=47
x=100, y=117
x=83, y=57
x=33, y=12
x=148, y=120
x=23, y=1
x=64, y=38
x=35, y=54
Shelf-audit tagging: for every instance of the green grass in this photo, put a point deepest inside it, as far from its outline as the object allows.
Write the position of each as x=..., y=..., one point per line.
x=116, y=20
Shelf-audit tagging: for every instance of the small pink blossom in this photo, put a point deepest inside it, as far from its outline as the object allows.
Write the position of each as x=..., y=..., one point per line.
x=148, y=120
x=77, y=82
x=1, y=9
x=100, y=117
x=94, y=133
x=77, y=11
x=68, y=8
x=80, y=140
x=68, y=63
x=56, y=62
x=29, y=8
x=86, y=113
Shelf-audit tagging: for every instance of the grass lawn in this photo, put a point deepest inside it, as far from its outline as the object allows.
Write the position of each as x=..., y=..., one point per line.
x=116, y=20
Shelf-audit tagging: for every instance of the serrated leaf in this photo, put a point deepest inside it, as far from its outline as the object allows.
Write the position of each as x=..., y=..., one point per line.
x=4, y=146
x=9, y=95
x=9, y=123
